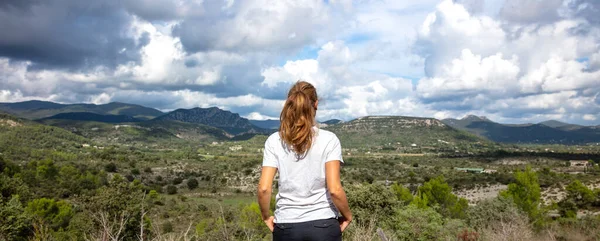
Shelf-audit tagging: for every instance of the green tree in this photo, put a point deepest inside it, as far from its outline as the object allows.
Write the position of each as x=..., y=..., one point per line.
x=436, y=193
x=57, y=214
x=525, y=192
x=581, y=195
x=402, y=193
x=15, y=224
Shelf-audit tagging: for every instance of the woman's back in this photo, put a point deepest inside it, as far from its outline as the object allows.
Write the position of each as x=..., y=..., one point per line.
x=302, y=187
x=308, y=161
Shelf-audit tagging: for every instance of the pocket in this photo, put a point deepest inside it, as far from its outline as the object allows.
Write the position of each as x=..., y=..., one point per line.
x=330, y=227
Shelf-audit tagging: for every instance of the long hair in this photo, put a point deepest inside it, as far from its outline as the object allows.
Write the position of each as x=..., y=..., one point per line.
x=298, y=117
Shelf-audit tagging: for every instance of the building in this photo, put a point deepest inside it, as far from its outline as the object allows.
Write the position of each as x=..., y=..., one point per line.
x=471, y=170
x=579, y=163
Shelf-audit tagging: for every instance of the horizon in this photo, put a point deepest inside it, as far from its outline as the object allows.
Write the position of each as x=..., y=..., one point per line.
x=515, y=62
x=322, y=120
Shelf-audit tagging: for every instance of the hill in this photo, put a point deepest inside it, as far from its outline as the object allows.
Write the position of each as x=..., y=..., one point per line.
x=403, y=133
x=332, y=122
x=266, y=124
x=87, y=116
x=549, y=132
x=23, y=139
x=274, y=124
x=153, y=131
x=42, y=109
x=215, y=117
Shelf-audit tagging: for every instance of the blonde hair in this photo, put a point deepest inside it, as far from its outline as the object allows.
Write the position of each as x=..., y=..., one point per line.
x=298, y=117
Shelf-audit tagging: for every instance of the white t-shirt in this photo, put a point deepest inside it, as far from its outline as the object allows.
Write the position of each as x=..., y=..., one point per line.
x=303, y=194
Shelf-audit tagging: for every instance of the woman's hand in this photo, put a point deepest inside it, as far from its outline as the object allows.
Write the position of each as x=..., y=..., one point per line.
x=270, y=222
x=344, y=222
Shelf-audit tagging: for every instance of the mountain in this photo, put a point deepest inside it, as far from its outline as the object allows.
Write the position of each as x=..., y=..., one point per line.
x=399, y=132
x=41, y=109
x=87, y=116
x=548, y=132
x=560, y=125
x=22, y=139
x=332, y=122
x=274, y=124
x=215, y=117
x=266, y=124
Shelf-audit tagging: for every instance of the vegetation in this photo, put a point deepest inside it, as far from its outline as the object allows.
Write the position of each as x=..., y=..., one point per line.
x=153, y=182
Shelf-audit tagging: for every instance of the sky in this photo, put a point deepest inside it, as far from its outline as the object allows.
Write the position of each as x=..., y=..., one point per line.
x=513, y=61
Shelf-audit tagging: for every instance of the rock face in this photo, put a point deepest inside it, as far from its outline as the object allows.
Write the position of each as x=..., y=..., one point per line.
x=215, y=117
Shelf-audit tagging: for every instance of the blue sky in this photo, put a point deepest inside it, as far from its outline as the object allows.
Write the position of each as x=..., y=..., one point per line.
x=514, y=61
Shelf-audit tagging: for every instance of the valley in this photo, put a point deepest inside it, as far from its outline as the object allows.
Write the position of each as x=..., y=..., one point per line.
x=193, y=173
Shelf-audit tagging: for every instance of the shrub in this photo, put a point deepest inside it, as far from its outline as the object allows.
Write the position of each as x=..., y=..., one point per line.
x=110, y=167
x=413, y=223
x=177, y=181
x=148, y=170
x=171, y=189
x=491, y=212
x=374, y=200
x=192, y=183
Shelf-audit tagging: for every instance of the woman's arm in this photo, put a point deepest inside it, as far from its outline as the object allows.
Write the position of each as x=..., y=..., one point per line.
x=265, y=188
x=338, y=196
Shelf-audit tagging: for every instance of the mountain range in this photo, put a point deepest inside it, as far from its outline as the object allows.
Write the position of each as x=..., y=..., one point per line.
x=222, y=124
x=547, y=132
x=36, y=109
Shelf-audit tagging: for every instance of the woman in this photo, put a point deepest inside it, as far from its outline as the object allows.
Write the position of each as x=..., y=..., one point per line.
x=308, y=161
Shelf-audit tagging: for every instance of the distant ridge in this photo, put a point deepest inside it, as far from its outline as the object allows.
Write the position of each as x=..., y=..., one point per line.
x=86, y=116
x=547, y=132
x=274, y=124
x=215, y=117
x=397, y=132
x=266, y=124
x=36, y=109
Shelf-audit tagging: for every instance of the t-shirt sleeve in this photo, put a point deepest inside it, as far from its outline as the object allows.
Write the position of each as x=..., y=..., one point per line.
x=334, y=151
x=269, y=156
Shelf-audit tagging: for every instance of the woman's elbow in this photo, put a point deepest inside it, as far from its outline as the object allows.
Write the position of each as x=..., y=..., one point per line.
x=336, y=192
x=263, y=190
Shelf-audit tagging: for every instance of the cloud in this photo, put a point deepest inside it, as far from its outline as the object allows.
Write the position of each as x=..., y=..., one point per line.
x=513, y=61
x=531, y=65
x=254, y=25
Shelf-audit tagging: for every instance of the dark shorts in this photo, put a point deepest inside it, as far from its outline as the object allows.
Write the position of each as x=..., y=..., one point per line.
x=317, y=230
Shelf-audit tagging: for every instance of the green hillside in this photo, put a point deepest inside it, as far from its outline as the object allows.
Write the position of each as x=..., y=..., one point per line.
x=155, y=131
x=41, y=109
x=22, y=139
x=404, y=134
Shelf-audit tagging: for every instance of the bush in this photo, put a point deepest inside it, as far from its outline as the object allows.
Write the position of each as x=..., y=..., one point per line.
x=374, y=200
x=192, y=183
x=135, y=171
x=413, y=223
x=489, y=213
x=148, y=170
x=177, y=181
x=110, y=167
x=171, y=189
